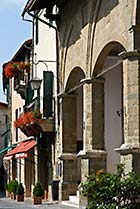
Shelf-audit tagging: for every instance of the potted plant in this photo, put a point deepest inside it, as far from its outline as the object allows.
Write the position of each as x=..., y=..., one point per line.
x=38, y=193
x=7, y=190
x=20, y=193
x=12, y=187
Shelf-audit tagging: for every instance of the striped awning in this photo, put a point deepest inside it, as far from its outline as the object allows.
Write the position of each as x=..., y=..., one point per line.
x=21, y=150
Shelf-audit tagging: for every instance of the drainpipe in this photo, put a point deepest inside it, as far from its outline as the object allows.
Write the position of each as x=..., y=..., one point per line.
x=57, y=51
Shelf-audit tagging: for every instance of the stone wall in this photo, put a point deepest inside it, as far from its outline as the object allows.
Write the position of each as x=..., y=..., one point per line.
x=89, y=31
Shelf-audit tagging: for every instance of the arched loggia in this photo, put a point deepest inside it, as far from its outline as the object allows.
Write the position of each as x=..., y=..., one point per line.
x=72, y=132
x=108, y=103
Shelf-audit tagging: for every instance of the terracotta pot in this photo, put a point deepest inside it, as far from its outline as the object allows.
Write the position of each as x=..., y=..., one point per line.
x=20, y=198
x=12, y=196
x=37, y=200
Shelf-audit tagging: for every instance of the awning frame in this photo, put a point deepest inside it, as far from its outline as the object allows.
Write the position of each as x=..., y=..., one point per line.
x=9, y=147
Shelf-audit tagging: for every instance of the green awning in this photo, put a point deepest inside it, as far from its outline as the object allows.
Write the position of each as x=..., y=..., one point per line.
x=5, y=149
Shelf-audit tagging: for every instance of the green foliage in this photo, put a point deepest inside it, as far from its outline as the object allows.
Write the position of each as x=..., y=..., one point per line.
x=38, y=190
x=111, y=191
x=12, y=186
x=20, y=189
x=7, y=187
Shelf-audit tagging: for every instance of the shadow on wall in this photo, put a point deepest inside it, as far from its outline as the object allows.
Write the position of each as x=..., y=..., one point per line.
x=80, y=16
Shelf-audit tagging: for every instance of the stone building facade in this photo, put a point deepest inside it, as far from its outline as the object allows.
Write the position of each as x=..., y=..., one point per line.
x=4, y=132
x=31, y=107
x=16, y=88
x=98, y=71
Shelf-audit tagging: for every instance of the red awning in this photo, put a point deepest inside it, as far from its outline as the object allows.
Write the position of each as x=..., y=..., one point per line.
x=8, y=157
x=21, y=150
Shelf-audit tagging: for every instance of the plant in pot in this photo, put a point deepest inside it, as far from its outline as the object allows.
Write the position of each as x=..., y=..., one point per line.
x=12, y=187
x=7, y=190
x=20, y=193
x=38, y=193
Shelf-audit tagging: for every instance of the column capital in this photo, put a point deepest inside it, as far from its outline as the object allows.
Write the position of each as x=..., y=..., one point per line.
x=130, y=54
x=85, y=154
x=68, y=156
x=128, y=148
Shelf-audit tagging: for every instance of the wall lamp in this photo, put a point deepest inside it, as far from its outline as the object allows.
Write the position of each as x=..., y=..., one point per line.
x=35, y=83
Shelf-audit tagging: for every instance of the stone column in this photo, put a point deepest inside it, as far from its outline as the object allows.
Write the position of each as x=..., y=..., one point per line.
x=130, y=150
x=87, y=117
x=93, y=156
x=98, y=114
x=68, y=155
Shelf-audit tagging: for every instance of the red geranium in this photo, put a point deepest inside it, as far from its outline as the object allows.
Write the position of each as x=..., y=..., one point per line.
x=27, y=118
x=12, y=68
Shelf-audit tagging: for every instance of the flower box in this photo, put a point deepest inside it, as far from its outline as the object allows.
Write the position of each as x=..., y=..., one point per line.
x=32, y=129
x=31, y=124
x=47, y=125
x=14, y=68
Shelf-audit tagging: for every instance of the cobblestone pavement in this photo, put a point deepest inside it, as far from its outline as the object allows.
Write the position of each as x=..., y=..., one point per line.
x=7, y=203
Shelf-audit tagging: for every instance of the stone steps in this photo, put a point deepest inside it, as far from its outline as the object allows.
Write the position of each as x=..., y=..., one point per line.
x=68, y=203
x=73, y=200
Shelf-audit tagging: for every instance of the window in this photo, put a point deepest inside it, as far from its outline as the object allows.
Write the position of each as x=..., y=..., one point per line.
x=36, y=32
x=6, y=138
x=16, y=117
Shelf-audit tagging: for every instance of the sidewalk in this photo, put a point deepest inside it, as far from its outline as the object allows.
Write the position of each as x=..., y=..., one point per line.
x=27, y=204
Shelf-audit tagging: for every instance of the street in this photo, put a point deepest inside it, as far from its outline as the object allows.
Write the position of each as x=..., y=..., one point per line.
x=7, y=203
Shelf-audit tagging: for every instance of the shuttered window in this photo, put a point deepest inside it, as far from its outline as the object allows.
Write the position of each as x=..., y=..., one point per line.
x=48, y=94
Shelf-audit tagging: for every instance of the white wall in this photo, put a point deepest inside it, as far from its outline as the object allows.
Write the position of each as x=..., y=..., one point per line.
x=45, y=50
x=113, y=122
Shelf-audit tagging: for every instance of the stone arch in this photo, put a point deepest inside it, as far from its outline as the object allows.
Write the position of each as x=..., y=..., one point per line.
x=72, y=131
x=74, y=99
x=108, y=103
x=74, y=78
x=112, y=48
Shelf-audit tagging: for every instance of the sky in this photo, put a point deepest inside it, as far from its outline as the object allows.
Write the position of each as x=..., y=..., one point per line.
x=13, y=32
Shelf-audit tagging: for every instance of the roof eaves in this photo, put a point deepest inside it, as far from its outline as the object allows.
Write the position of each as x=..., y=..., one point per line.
x=39, y=4
x=23, y=46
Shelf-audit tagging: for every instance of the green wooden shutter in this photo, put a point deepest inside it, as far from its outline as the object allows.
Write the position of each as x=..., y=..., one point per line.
x=29, y=94
x=8, y=92
x=48, y=94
